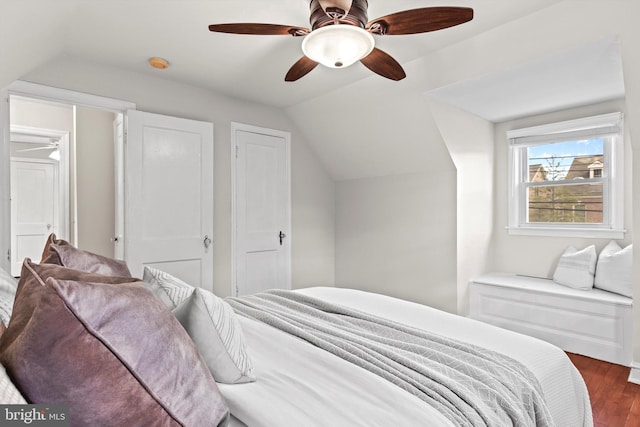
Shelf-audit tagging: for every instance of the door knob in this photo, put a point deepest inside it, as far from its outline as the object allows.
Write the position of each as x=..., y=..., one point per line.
x=48, y=226
x=207, y=241
x=281, y=236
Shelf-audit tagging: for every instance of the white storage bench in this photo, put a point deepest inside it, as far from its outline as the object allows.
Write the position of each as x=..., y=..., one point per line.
x=593, y=323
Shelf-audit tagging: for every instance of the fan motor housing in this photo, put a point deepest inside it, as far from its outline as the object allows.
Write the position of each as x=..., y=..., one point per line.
x=356, y=16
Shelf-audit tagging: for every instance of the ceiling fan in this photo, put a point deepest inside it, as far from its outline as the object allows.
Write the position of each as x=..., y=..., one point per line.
x=51, y=146
x=341, y=34
x=42, y=142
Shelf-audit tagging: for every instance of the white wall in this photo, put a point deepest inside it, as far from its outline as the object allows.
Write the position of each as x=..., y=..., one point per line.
x=395, y=176
x=471, y=149
x=313, y=221
x=395, y=236
x=27, y=46
x=95, y=180
x=158, y=95
x=25, y=112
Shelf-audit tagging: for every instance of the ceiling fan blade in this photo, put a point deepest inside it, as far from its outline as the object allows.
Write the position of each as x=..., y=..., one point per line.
x=422, y=20
x=300, y=69
x=331, y=6
x=383, y=64
x=259, y=29
x=49, y=147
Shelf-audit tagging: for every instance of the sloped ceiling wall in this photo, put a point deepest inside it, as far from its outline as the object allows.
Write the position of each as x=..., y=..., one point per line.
x=31, y=33
x=376, y=127
x=371, y=128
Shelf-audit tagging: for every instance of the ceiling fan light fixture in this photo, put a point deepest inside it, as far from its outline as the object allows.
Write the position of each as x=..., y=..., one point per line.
x=55, y=155
x=338, y=45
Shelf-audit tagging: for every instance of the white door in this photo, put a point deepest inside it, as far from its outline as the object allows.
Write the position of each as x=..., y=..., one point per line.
x=169, y=197
x=262, y=209
x=34, y=209
x=118, y=149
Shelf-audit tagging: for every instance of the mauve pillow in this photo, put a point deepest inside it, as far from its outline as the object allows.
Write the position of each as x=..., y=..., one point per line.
x=78, y=259
x=110, y=350
x=52, y=239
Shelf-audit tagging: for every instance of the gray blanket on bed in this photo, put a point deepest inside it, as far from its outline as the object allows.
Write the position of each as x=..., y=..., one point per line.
x=470, y=385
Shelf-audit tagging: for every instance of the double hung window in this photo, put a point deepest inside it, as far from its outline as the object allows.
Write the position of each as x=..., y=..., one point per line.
x=566, y=179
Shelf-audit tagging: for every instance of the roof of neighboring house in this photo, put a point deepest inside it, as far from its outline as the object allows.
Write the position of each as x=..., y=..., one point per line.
x=536, y=172
x=580, y=166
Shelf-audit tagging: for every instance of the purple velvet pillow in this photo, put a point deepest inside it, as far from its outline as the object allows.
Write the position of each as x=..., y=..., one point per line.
x=108, y=348
x=69, y=256
x=52, y=239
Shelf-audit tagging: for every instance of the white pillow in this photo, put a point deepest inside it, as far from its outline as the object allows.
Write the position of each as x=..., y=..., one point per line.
x=8, y=286
x=613, y=271
x=210, y=322
x=576, y=269
x=225, y=352
x=171, y=290
x=9, y=394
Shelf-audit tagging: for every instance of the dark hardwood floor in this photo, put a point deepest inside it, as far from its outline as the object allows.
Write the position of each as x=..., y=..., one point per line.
x=615, y=402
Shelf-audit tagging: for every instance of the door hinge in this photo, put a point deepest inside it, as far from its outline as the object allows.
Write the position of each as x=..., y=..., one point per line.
x=237, y=149
x=9, y=255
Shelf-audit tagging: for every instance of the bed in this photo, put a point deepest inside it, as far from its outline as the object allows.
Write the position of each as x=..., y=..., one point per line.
x=299, y=384
x=158, y=351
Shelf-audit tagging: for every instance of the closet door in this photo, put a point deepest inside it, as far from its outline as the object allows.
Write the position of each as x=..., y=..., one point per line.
x=34, y=209
x=169, y=196
x=262, y=214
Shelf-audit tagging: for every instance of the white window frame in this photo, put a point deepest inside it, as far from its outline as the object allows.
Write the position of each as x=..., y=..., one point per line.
x=613, y=181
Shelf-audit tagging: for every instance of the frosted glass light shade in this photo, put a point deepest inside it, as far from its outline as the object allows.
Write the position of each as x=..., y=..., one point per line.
x=338, y=46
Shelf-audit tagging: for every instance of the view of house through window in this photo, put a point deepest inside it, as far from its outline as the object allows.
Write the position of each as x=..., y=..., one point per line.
x=565, y=182
x=566, y=178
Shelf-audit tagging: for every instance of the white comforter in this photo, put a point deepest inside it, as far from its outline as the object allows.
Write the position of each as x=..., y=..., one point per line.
x=301, y=385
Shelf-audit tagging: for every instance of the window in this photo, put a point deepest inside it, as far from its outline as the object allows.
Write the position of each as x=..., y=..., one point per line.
x=566, y=179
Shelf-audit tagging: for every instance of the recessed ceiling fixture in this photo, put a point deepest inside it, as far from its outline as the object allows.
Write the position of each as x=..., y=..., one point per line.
x=159, y=63
x=341, y=34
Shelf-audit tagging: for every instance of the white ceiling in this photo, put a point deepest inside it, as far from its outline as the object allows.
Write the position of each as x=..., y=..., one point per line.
x=584, y=75
x=372, y=110
x=125, y=33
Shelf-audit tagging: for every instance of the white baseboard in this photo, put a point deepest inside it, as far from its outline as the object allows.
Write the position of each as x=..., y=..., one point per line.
x=634, y=375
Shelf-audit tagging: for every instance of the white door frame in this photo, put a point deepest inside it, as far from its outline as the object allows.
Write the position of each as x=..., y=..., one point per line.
x=62, y=178
x=235, y=127
x=118, y=151
x=42, y=92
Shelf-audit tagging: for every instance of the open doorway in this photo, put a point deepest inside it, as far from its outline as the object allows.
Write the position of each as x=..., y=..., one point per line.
x=39, y=164
x=63, y=176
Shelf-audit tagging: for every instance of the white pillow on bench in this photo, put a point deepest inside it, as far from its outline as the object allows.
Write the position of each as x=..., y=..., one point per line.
x=576, y=269
x=613, y=271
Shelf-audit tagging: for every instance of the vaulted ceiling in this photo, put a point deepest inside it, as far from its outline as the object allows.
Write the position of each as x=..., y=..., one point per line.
x=358, y=139
x=125, y=33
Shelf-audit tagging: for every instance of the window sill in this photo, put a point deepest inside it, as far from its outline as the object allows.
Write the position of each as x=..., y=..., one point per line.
x=595, y=233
